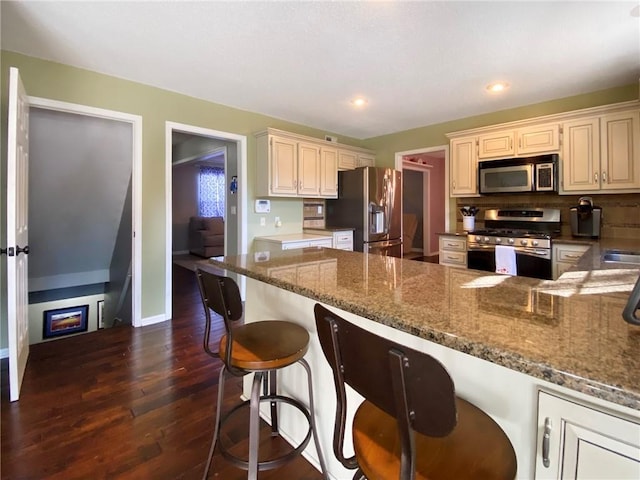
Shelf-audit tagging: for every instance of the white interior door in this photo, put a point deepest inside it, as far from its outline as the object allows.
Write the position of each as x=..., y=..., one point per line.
x=17, y=231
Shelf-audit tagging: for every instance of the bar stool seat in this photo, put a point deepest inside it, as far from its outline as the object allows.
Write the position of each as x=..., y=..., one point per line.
x=259, y=348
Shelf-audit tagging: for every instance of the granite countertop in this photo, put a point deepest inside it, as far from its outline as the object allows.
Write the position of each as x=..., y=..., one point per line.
x=293, y=237
x=569, y=331
x=328, y=229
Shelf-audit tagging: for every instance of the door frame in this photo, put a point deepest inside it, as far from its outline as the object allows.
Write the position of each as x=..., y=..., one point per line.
x=241, y=152
x=447, y=198
x=136, y=184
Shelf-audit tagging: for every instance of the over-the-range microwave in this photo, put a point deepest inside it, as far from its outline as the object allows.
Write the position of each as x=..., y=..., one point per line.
x=516, y=175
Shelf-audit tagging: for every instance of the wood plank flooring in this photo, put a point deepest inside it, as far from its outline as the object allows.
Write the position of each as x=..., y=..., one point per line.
x=125, y=403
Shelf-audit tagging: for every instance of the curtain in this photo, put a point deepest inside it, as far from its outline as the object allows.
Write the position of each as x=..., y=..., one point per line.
x=211, y=192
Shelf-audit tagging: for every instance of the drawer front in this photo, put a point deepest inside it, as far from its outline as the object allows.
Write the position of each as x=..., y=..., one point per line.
x=293, y=245
x=570, y=254
x=343, y=237
x=325, y=242
x=456, y=244
x=453, y=258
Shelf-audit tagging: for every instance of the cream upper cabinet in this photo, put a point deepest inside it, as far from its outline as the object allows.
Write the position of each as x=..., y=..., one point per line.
x=366, y=160
x=602, y=154
x=328, y=172
x=534, y=140
x=308, y=169
x=497, y=144
x=463, y=167
x=291, y=165
x=284, y=166
x=347, y=159
x=581, y=155
x=580, y=442
x=620, y=151
x=538, y=139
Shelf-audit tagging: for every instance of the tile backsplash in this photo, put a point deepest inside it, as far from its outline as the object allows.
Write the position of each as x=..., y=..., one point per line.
x=620, y=212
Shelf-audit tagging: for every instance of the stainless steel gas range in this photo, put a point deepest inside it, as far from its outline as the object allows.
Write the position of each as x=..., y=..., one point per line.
x=528, y=231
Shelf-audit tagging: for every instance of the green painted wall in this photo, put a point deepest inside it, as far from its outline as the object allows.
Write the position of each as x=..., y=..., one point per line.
x=156, y=106
x=386, y=146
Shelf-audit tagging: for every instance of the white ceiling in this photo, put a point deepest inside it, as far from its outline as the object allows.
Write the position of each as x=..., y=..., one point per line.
x=418, y=63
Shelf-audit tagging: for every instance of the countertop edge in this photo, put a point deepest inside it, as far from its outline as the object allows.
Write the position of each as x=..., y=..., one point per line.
x=504, y=358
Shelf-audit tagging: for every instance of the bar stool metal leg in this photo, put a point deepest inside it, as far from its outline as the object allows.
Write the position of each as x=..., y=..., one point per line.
x=217, y=421
x=312, y=414
x=254, y=426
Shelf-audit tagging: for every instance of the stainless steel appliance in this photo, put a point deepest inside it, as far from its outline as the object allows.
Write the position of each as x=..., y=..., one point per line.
x=370, y=201
x=515, y=175
x=529, y=232
x=585, y=218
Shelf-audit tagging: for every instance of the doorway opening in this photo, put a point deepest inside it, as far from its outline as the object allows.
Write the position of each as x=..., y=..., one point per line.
x=425, y=205
x=203, y=163
x=84, y=197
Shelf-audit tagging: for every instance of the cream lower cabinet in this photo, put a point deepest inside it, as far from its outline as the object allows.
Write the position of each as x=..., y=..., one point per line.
x=602, y=154
x=463, y=175
x=453, y=251
x=564, y=256
x=578, y=442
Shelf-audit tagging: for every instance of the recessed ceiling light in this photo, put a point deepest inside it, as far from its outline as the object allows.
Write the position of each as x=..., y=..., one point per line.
x=497, y=87
x=359, y=102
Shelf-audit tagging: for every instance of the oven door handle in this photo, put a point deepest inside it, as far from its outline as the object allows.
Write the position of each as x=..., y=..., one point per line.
x=480, y=248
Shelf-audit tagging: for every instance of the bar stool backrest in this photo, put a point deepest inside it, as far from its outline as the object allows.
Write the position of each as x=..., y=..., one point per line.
x=407, y=384
x=222, y=295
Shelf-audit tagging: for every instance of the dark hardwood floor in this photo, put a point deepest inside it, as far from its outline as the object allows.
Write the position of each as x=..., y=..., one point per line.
x=126, y=403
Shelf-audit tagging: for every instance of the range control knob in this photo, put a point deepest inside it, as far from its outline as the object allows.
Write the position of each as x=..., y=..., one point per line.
x=486, y=239
x=534, y=243
x=511, y=241
x=498, y=240
x=523, y=242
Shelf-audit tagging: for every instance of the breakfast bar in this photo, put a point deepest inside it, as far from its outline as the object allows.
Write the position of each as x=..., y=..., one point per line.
x=509, y=343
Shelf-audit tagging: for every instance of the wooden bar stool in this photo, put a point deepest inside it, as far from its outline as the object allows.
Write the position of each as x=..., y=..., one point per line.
x=411, y=425
x=260, y=348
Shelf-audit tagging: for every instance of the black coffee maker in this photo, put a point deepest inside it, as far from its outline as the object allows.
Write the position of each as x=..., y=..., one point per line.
x=585, y=218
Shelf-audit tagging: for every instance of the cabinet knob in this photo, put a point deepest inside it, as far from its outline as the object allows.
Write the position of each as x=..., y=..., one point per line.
x=595, y=177
x=604, y=177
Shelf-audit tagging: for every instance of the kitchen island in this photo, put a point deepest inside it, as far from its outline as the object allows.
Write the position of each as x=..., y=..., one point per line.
x=503, y=339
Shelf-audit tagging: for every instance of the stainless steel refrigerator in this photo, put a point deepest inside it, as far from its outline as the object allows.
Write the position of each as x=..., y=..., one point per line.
x=370, y=201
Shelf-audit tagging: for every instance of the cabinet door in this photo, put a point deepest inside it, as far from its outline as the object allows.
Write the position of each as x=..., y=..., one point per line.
x=496, y=145
x=329, y=172
x=284, y=166
x=464, y=167
x=347, y=160
x=620, y=154
x=584, y=443
x=539, y=139
x=308, y=169
x=366, y=160
x=581, y=155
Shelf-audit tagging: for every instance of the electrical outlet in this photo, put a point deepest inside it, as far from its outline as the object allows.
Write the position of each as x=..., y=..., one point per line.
x=263, y=222
x=278, y=223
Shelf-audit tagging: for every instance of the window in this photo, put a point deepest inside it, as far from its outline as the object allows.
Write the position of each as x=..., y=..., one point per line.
x=211, y=192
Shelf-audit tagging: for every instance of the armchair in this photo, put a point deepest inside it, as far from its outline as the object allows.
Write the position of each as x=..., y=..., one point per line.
x=206, y=236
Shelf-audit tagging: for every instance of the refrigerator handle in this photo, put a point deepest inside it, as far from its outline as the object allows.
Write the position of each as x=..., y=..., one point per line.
x=388, y=203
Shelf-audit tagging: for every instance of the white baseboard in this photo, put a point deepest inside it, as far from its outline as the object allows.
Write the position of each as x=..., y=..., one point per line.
x=4, y=353
x=152, y=320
